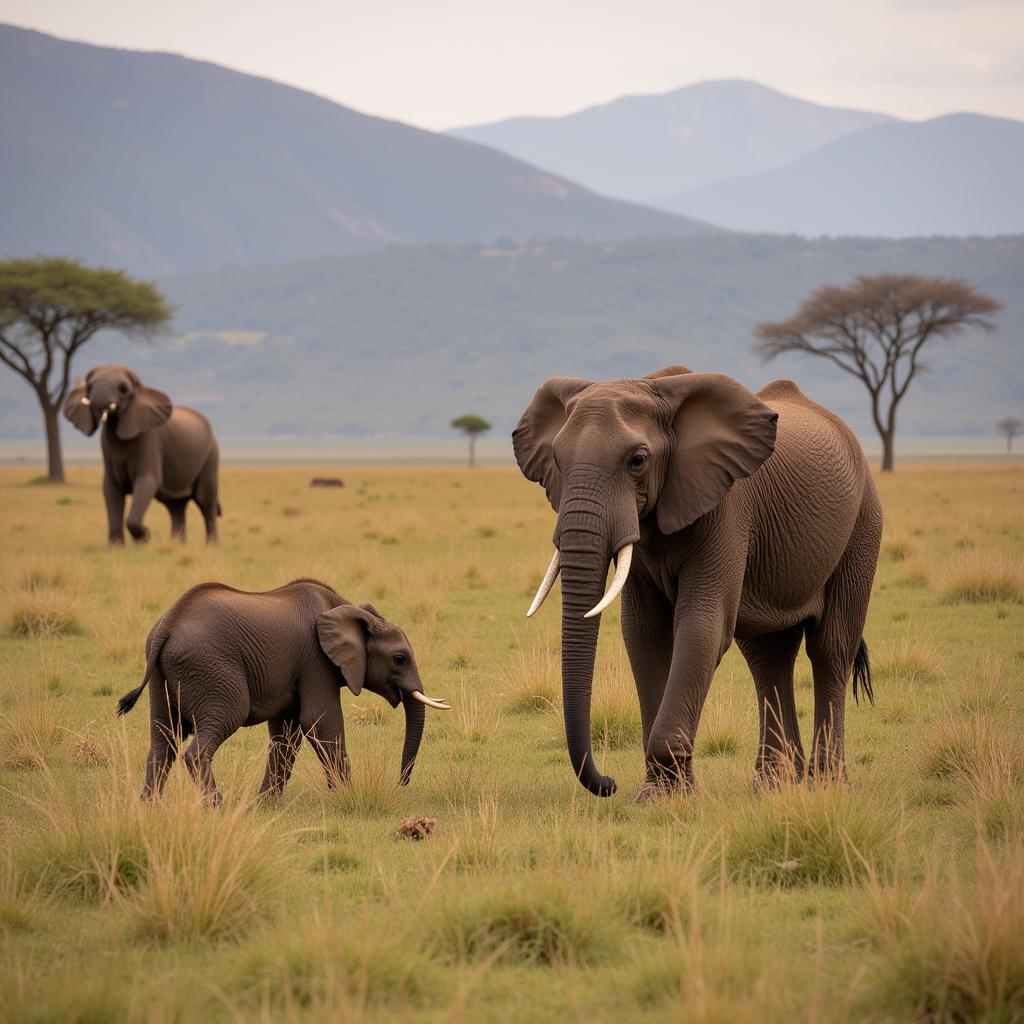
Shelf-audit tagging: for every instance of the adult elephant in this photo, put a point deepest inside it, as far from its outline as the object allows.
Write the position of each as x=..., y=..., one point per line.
x=151, y=449
x=730, y=516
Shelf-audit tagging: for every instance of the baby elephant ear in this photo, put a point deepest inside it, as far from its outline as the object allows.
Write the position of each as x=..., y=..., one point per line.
x=78, y=412
x=148, y=408
x=723, y=433
x=343, y=632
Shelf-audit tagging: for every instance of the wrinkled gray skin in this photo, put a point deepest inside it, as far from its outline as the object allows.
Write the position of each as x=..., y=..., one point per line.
x=754, y=518
x=221, y=658
x=151, y=449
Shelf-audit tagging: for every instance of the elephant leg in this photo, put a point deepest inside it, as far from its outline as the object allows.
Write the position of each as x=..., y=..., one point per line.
x=697, y=649
x=326, y=735
x=198, y=759
x=163, y=749
x=771, y=659
x=143, y=490
x=177, y=507
x=833, y=641
x=206, y=496
x=647, y=633
x=113, y=496
x=285, y=738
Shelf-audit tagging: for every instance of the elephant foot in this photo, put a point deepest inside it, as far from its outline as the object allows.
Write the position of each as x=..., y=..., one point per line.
x=772, y=772
x=140, y=534
x=664, y=781
x=116, y=540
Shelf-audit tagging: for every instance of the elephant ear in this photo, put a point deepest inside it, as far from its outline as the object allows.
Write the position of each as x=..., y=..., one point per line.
x=543, y=419
x=723, y=433
x=668, y=371
x=343, y=632
x=373, y=611
x=147, y=409
x=79, y=414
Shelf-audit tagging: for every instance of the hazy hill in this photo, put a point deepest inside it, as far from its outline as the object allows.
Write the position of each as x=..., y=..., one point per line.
x=403, y=339
x=954, y=175
x=647, y=147
x=158, y=163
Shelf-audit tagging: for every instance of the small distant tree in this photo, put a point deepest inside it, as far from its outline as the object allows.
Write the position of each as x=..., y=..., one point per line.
x=49, y=308
x=1011, y=427
x=472, y=426
x=875, y=329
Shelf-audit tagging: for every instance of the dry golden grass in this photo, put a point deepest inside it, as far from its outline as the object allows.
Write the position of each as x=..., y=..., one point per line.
x=893, y=896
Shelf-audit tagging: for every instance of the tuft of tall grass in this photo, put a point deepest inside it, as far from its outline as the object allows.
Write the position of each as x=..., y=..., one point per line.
x=963, y=746
x=173, y=867
x=472, y=719
x=45, y=613
x=615, y=710
x=985, y=577
x=333, y=967
x=822, y=834
x=954, y=951
x=372, y=790
x=32, y=732
x=534, y=918
x=533, y=681
x=911, y=660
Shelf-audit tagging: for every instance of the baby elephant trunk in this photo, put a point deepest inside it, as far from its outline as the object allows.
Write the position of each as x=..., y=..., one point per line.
x=415, y=713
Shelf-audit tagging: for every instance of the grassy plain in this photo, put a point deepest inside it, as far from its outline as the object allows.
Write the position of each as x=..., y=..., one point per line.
x=898, y=896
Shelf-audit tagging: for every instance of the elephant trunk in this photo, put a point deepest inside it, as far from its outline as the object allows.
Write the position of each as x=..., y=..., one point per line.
x=415, y=713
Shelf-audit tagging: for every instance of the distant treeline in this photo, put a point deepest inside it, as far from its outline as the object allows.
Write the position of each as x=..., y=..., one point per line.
x=402, y=339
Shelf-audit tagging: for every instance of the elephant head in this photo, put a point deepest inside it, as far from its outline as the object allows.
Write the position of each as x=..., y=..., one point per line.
x=376, y=654
x=116, y=393
x=663, y=451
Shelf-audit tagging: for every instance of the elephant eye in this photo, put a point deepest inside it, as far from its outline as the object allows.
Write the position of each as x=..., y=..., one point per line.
x=638, y=460
x=399, y=658
x=123, y=388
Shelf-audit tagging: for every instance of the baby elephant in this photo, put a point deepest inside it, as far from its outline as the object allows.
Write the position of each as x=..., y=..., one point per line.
x=222, y=658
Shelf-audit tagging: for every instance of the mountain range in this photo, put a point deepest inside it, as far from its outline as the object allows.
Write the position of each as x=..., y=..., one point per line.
x=647, y=148
x=158, y=163
x=748, y=158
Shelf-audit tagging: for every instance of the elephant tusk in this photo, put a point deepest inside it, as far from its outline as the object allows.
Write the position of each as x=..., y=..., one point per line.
x=622, y=563
x=546, y=584
x=85, y=401
x=103, y=418
x=112, y=407
x=429, y=701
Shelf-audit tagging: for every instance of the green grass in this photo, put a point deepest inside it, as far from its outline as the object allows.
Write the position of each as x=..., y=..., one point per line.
x=892, y=896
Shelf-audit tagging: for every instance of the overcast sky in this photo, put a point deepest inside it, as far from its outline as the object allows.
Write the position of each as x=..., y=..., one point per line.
x=444, y=63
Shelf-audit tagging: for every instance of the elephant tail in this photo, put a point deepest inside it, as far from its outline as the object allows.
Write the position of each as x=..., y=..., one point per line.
x=220, y=511
x=130, y=699
x=862, y=673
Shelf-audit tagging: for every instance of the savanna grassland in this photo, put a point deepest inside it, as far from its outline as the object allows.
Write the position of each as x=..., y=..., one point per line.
x=897, y=896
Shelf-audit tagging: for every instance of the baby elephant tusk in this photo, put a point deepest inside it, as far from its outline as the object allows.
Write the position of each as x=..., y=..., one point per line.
x=103, y=418
x=546, y=584
x=112, y=407
x=85, y=401
x=622, y=563
x=430, y=702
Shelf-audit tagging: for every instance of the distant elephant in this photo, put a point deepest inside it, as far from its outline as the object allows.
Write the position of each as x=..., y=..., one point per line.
x=151, y=449
x=222, y=658
x=730, y=516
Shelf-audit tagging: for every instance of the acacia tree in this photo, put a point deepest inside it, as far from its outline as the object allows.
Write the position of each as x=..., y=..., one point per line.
x=1011, y=427
x=472, y=426
x=49, y=308
x=875, y=329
